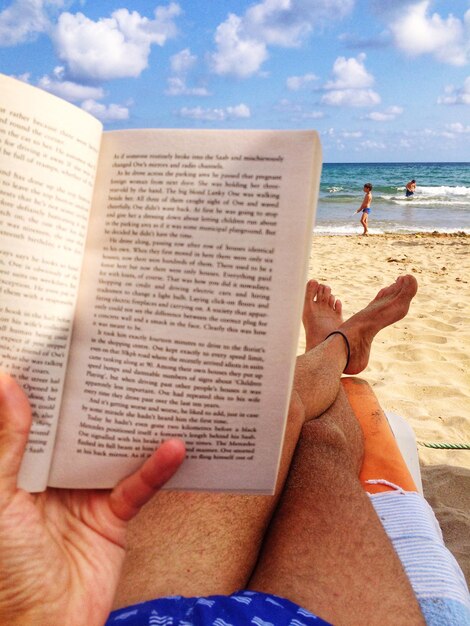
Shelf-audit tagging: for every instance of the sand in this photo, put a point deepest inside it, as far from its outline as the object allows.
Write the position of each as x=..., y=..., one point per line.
x=419, y=367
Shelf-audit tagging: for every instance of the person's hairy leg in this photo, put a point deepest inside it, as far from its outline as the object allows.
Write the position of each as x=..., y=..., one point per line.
x=204, y=543
x=201, y=543
x=325, y=548
x=194, y=544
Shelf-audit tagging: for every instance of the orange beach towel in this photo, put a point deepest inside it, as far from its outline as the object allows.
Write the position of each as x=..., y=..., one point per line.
x=382, y=457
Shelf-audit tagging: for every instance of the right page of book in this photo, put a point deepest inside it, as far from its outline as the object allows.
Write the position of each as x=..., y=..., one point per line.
x=189, y=307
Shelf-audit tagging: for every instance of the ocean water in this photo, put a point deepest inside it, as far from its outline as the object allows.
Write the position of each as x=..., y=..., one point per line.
x=441, y=201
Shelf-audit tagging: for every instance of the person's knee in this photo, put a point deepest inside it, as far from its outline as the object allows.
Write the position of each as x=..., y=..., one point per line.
x=325, y=440
x=323, y=433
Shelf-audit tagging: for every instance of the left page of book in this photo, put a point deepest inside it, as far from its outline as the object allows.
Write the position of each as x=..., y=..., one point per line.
x=48, y=157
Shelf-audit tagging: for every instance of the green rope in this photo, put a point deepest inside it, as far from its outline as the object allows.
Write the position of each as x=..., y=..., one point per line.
x=445, y=446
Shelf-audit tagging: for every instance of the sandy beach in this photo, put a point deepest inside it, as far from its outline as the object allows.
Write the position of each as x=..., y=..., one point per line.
x=420, y=367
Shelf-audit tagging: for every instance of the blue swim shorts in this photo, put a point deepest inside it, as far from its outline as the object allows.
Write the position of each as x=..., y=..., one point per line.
x=243, y=607
x=366, y=210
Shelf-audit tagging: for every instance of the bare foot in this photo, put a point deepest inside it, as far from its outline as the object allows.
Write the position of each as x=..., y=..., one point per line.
x=321, y=314
x=389, y=306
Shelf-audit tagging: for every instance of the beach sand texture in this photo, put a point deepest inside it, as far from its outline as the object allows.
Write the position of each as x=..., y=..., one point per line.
x=419, y=367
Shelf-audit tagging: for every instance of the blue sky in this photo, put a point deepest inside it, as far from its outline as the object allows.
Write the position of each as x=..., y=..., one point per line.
x=381, y=80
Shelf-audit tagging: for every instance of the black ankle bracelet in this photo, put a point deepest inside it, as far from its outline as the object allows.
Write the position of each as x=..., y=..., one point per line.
x=338, y=332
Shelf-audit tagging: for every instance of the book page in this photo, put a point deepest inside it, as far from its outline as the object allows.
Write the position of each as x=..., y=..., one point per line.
x=48, y=154
x=189, y=306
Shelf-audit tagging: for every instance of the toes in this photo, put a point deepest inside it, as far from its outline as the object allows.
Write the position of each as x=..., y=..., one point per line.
x=335, y=304
x=323, y=294
x=403, y=283
x=410, y=283
x=311, y=290
x=390, y=289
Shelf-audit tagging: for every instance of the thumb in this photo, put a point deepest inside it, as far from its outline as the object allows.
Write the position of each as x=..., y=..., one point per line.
x=15, y=422
x=133, y=492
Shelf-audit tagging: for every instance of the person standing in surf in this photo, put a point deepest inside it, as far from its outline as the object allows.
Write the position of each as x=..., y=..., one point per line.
x=365, y=207
x=410, y=188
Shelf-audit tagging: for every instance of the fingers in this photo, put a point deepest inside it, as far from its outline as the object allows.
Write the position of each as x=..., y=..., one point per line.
x=15, y=422
x=134, y=491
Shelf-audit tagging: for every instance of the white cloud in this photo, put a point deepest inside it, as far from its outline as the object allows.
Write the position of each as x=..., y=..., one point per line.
x=343, y=134
x=295, y=83
x=286, y=22
x=68, y=90
x=313, y=115
x=351, y=84
x=114, y=47
x=242, y=41
x=183, y=61
x=276, y=22
x=297, y=111
x=458, y=128
x=351, y=97
x=105, y=113
x=416, y=32
x=25, y=78
x=86, y=95
x=387, y=115
x=24, y=19
x=198, y=113
x=237, y=52
x=455, y=95
x=181, y=64
x=350, y=74
x=357, y=134
x=177, y=87
x=432, y=133
x=240, y=110
x=344, y=139
x=373, y=145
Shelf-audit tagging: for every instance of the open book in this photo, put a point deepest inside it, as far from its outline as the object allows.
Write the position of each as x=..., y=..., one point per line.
x=151, y=285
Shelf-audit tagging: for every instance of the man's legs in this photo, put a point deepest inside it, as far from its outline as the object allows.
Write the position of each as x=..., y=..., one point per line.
x=325, y=548
x=200, y=544
x=186, y=543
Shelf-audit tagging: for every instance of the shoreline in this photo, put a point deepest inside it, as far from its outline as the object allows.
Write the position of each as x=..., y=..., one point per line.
x=372, y=233
x=430, y=233
x=419, y=366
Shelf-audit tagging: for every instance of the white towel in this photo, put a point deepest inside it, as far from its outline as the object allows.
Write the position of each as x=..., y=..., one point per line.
x=434, y=573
